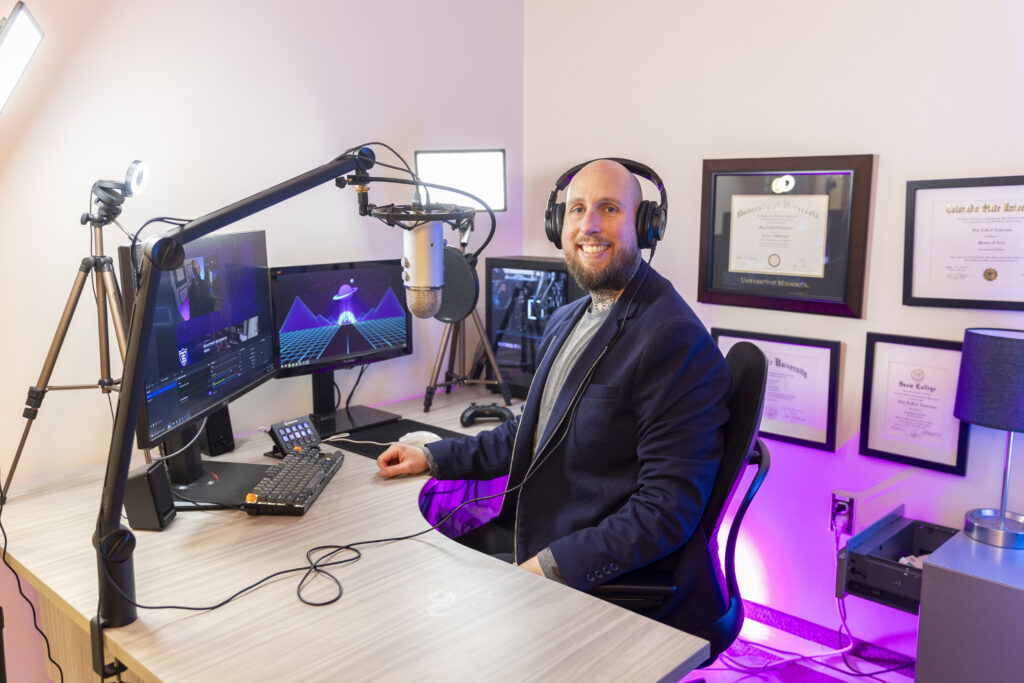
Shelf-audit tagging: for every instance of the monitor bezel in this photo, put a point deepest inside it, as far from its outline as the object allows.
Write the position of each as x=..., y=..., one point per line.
x=365, y=358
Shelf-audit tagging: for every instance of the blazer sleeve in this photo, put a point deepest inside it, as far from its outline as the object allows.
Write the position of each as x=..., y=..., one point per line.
x=487, y=455
x=679, y=397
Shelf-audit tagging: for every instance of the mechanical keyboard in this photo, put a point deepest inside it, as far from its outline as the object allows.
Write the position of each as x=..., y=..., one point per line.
x=291, y=487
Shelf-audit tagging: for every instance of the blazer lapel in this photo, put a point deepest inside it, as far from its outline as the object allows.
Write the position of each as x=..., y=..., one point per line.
x=602, y=337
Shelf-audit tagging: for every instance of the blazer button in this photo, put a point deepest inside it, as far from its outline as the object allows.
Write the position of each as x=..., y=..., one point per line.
x=615, y=567
x=590, y=578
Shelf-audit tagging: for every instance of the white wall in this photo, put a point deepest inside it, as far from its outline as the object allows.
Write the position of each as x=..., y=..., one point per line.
x=932, y=88
x=224, y=99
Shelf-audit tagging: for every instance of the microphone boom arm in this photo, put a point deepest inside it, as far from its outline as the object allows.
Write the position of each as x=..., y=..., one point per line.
x=114, y=543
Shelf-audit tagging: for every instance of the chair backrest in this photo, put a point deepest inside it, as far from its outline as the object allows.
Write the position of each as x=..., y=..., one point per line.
x=749, y=369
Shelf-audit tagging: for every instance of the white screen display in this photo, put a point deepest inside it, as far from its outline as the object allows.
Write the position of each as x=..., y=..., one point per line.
x=479, y=172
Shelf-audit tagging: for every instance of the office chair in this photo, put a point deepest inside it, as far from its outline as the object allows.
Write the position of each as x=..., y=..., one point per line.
x=642, y=590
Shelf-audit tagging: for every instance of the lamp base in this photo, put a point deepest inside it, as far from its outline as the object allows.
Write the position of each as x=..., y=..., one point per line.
x=986, y=525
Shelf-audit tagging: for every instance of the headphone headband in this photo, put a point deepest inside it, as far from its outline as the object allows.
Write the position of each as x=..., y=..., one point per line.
x=650, y=217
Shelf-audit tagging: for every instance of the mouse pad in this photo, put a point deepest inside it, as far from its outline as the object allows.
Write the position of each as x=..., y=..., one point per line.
x=386, y=433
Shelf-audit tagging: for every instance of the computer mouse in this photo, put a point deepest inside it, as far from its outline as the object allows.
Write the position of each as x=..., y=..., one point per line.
x=418, y=438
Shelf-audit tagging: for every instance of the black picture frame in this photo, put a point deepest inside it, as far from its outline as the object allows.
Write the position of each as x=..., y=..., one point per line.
x=842, y=183
x=802, y=424
x=983, y=275
x=910, y=425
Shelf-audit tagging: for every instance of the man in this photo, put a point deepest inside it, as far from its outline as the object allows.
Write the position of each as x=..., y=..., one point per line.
x=611, y=463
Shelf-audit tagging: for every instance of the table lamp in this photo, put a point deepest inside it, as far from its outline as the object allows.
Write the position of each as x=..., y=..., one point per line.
x=990, y=393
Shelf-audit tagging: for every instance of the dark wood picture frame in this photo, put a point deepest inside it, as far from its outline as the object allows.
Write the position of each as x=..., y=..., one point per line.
x=912, y=239
x=870, y=402
x=840, y=291
x=832, y=348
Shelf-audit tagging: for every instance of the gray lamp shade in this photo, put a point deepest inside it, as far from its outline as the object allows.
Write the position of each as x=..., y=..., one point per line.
x=990, y=391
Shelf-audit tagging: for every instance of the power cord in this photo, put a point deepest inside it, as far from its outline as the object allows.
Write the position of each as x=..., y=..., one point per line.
x=732, y=663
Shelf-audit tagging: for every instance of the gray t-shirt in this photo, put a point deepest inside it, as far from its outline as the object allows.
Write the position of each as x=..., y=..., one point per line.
x=567, y=356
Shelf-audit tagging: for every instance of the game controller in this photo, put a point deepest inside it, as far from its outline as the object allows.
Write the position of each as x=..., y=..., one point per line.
x=491, y=411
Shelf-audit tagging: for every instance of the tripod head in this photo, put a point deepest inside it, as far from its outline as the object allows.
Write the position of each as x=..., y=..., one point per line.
x=109, y=195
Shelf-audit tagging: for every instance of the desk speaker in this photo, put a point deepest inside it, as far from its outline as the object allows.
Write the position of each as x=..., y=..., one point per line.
x=147, y=499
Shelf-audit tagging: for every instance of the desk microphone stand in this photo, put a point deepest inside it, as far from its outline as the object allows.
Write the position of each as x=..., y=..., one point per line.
x=107, y=292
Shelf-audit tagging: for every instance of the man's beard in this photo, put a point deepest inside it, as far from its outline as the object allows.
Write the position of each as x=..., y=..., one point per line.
x=611, y=278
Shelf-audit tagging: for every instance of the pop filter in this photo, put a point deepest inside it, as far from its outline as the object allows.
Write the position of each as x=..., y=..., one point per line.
x=461, y=288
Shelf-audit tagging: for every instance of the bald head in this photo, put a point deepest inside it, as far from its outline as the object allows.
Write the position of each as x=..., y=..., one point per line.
x=612, y=177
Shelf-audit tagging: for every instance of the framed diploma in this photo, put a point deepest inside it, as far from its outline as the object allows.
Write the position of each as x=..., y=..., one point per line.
x=787, y=233
x=909, y=390
x=964, y=243
x=801, y=389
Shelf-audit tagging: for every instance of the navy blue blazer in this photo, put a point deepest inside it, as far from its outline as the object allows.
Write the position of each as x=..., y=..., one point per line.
x=620, y=478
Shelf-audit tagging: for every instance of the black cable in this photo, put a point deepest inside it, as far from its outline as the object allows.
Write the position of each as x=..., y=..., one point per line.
x=203, y=505
x=490, y=212
x=348, y=400
x=17, y=577
x=407, y=168
x=136, y=266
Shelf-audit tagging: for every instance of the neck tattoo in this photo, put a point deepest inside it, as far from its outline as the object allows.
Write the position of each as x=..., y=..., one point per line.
x=602, y=301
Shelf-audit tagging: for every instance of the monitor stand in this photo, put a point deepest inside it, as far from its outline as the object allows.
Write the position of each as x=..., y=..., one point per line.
x=206, y=484
x=329, y=421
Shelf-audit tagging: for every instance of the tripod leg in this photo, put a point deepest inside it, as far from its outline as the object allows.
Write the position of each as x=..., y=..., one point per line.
x=428, y=397
x=37, y=392
x=502, y=384
x=114, y=299
x=104, y=335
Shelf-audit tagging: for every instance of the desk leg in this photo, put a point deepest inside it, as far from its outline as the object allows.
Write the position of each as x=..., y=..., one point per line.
x=70, y=646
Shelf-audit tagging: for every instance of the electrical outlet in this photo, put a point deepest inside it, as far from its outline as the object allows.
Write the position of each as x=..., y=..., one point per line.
x=841, y=512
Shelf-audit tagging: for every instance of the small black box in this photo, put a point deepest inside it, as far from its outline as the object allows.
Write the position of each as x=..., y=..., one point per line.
x=147, y=500
x=217, y=438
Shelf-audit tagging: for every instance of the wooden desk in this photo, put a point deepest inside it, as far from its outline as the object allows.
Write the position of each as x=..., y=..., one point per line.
x=425, y=609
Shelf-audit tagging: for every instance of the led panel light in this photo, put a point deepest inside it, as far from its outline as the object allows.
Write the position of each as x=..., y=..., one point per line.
x=480, y=172
x=19, y=39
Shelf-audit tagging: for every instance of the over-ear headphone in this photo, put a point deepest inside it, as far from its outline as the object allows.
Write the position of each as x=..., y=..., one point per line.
x=650, y=217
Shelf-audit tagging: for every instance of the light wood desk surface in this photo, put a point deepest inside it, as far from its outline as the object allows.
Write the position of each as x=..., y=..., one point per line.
x=425, y=609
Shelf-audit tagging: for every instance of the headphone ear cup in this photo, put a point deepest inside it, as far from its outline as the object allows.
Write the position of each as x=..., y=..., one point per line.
x=553, y=224
x=645, y=233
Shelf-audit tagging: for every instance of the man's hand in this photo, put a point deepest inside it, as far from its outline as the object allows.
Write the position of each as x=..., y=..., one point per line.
x=532, y=565
x=400, y=458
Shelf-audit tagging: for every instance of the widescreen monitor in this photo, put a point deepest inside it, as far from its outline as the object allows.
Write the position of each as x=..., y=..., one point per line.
x=480, y=172
x=334, y=316
x=212, y=340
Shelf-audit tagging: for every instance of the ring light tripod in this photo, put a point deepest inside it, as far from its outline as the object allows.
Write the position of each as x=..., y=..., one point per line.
x=110, y=195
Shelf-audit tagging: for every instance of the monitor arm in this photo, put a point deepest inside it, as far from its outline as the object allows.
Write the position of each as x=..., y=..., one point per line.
x=113, y=542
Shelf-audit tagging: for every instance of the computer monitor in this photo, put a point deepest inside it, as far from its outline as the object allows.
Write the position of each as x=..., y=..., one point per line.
x=480, y=172
x=522, y=293
x=338, y=315
x=212, y=341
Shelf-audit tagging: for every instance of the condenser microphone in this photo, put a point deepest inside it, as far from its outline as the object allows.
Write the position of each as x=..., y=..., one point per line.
x=423, y=268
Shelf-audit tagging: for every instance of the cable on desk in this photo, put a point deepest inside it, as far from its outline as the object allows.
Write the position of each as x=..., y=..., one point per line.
x=17, y=578
x=317, y=566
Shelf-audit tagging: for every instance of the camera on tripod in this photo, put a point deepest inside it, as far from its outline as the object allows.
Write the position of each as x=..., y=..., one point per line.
x=110, y=194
